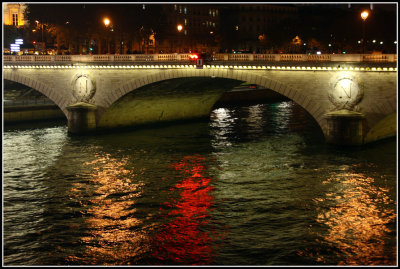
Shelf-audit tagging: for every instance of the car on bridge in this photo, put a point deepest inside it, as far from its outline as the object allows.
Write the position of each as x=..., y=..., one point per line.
x=193, y=57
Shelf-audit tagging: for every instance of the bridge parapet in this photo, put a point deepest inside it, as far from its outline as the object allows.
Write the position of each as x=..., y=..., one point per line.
x=354, y=58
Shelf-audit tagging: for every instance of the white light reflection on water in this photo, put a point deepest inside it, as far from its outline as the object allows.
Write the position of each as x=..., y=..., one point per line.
x=285, y=109
x=223, y=121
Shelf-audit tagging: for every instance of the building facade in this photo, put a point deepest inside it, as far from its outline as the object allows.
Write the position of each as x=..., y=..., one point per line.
x=13, y=14
x=248, y=27
x=190, y=27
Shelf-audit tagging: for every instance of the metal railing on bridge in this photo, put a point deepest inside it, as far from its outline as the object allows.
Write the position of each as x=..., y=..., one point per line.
x=224, y=57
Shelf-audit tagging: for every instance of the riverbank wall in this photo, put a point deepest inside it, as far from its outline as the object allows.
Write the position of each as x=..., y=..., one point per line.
x=17, y=114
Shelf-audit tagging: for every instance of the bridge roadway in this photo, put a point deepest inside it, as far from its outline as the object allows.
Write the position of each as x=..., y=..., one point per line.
x=353, y=98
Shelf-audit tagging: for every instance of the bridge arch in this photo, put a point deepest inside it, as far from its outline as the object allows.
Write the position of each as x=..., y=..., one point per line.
x=310, y=105
x=38, y=86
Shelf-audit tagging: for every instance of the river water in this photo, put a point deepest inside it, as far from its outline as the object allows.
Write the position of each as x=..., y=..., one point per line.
x=253, y=185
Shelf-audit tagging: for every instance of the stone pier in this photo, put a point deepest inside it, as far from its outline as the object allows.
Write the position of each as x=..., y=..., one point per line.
x=82, y=118
x=345, y=127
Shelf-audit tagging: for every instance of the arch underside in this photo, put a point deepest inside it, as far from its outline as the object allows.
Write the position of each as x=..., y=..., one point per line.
x=38, y=86
x=311, y=106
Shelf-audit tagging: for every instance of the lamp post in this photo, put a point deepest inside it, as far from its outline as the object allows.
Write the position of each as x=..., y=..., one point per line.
x=179, y=27
x=107, y=22
x=364, y=16
x=37, y=25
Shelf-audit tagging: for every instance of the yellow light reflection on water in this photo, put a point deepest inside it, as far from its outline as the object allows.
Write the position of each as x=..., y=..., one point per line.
x=357, y=220
x=112, y=236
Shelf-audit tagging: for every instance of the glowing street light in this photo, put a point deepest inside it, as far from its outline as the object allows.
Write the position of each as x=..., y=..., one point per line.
x=106, y=21
x=364, y=15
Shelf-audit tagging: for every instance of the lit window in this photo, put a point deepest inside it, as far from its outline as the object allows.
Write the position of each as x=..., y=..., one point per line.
x=175, y=7
x=185, y=21
x=15, y=19
x=237, y=27
x=185, y=10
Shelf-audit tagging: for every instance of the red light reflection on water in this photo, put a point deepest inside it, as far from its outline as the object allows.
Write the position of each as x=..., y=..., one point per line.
x=182, y=241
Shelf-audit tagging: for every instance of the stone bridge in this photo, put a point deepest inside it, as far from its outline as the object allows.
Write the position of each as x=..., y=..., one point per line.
x=354, y=103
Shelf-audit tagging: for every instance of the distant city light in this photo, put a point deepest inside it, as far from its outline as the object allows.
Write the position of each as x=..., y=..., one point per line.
x=14, y=48
x=381, y=42
x=395, y=42
x=318, y=52
x=373, y=41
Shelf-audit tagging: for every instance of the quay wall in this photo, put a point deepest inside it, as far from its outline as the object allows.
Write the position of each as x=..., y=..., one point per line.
x=16, y=114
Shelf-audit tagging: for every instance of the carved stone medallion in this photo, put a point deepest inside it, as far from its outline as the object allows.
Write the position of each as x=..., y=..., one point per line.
x=84, y=87
x=345, y=92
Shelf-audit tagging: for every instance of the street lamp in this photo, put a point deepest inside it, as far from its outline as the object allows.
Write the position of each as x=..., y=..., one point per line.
x=180, y=27
x=364, y=16
x=37, y=25
x=107, y=22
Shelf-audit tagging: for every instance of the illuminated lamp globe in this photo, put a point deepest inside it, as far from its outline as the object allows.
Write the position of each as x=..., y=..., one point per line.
x=364, y=15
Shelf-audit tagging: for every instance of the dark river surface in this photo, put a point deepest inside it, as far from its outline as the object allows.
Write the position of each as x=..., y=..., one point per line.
x=253, y=185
